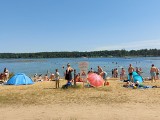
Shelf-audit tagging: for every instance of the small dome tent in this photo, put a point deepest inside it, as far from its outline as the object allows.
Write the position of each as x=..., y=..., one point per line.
x=19, y=79
x=136, y=77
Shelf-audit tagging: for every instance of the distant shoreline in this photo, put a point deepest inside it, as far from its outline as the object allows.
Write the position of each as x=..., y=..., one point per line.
x=93, y=54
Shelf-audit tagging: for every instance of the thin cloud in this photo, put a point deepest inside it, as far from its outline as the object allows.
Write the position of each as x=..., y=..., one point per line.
x=146, y=44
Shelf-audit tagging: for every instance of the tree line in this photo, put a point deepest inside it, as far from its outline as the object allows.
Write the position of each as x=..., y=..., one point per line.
x=76, y=54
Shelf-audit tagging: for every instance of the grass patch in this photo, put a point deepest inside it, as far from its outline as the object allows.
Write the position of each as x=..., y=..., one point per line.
x=45, y=93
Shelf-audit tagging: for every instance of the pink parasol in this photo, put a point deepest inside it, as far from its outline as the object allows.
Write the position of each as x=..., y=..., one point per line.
x=95, y=79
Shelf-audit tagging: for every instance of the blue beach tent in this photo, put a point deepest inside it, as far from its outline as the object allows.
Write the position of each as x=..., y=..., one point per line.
x=136, y=77
x=20, y=79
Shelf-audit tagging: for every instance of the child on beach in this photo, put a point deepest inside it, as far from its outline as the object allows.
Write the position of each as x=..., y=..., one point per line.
x=57, y=77
x=105, y=78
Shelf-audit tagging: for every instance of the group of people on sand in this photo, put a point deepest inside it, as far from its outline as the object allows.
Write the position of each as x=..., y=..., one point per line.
x=69, y=78
x=122, y=74
x=56, y=76
x=130, y=82
x=53, y=77
x=4, y=76
x=115, y=73
x=99, y=71
x=154, y=71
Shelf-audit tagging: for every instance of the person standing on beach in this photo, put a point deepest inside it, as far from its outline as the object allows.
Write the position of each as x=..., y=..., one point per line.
x=68, y=74
x=130, y=71
x=6, y=74
x=112, y=73
x=157, y=74
x=122, y=75
x=105, y=77
x=140, y=71
x=153, y=71
x=57, y=77
x=63, y=69
x=115, y=73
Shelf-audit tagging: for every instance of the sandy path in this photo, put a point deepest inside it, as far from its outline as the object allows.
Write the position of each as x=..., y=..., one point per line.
x=82, y=112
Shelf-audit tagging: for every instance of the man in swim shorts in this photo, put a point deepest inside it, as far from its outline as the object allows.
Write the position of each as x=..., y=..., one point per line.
x=153, y=73
x=130, y=71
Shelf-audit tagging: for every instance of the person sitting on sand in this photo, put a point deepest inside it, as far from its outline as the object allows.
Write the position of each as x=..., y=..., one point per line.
x=46, y=78
x=51, y=77
x=128, y=84
x=153, y=73
x=92, y=70
x=39, y=78
x=35, y=77
x=78, y=78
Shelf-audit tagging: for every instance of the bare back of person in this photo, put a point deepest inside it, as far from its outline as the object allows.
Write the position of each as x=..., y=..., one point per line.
x=153, y=72
x=153, y=69
x=130, y=69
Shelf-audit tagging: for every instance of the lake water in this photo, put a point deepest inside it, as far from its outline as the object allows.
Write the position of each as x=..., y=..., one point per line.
x=41, y=66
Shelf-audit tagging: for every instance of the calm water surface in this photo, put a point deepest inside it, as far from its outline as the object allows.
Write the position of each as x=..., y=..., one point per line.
x=41, y=66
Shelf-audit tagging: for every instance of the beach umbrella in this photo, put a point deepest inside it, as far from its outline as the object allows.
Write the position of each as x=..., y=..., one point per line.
x=95, y=79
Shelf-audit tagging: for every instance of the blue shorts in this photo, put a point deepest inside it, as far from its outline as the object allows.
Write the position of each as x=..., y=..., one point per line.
x=153, y=74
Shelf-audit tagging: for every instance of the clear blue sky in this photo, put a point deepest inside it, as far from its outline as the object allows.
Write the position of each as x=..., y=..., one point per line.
x=78, y=25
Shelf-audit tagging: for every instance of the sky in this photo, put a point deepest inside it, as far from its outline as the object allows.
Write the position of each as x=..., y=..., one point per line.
x=78, y=25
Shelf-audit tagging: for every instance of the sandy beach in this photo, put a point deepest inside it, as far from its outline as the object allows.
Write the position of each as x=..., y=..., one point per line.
x=42, y=101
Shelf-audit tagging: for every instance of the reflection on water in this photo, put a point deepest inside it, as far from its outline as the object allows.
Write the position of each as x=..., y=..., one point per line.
x=42, y=66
